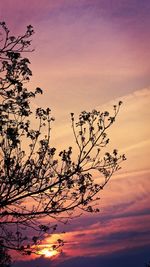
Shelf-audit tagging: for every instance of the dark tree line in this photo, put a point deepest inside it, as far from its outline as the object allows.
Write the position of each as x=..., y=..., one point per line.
x=5, y=259
x=36, y=180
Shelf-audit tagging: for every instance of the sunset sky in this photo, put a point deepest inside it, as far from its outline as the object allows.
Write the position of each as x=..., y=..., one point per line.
x=89, y=54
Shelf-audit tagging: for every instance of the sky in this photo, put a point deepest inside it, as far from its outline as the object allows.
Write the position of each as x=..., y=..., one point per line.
x=91, y=54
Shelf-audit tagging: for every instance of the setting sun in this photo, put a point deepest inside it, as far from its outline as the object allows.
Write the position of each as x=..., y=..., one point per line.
x=48, y=253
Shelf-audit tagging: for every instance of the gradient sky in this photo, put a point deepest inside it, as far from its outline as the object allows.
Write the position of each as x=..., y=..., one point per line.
x=91, y=54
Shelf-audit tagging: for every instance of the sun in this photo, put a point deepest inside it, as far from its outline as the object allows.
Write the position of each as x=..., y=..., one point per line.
x=48, y=253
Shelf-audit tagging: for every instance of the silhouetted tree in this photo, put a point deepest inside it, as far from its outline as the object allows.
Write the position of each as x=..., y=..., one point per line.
x=5, y=259
x=35, y=180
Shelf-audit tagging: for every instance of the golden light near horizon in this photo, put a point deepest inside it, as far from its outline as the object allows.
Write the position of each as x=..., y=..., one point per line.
x=48, y=252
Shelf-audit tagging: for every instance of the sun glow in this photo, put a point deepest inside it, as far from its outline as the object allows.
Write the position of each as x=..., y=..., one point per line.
x=48, y=253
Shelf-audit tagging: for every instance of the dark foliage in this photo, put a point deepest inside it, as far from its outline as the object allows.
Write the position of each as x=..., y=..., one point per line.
x=35, y=180
x=5, y=259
